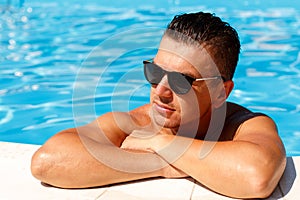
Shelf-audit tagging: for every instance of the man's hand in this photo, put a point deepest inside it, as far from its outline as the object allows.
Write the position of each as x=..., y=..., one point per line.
x=151, y=143
x=135, y=143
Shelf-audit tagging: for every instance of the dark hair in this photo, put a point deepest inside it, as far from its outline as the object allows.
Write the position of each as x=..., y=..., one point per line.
x=217, y=37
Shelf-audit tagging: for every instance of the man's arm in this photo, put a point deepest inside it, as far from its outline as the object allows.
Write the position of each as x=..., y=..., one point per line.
x=89, y=156
x=250, y=166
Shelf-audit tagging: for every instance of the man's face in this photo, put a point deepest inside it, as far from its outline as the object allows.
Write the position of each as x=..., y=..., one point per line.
x=172, y=110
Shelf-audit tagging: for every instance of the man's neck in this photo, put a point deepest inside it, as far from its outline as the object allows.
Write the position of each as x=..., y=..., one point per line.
x=209, y=126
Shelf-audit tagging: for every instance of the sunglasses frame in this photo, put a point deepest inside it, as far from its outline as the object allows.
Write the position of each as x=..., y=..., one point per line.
x=178, y=89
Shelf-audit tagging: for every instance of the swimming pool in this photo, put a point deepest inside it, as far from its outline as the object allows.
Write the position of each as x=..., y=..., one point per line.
x=51, y=47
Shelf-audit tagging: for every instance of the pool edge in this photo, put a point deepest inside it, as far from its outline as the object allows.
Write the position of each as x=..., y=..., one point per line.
x=15, y=173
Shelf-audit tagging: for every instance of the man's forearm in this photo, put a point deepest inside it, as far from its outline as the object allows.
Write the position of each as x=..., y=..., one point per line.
x=65, y=162
x=238, y=169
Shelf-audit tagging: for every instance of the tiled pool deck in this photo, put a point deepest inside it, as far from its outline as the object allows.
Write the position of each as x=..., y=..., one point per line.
x=17, y=183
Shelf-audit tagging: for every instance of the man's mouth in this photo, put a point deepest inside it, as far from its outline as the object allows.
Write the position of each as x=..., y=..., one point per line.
x=163, y=109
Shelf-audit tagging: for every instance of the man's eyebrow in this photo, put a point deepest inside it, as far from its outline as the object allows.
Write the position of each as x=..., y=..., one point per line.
x=189, y=74
x=186, y=74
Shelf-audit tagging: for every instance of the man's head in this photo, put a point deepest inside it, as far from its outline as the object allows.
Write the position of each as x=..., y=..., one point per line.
x=217, y=37
x=200, y=47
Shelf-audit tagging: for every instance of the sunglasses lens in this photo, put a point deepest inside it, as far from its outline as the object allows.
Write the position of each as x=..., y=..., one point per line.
x=153, y=73
x=179, y=83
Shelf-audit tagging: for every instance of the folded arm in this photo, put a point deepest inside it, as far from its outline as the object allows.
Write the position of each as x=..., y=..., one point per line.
x=90, y=156
x=250, y=166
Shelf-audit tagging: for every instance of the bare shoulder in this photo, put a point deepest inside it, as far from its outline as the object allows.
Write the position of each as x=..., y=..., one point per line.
x=262, y=126
x=262, y=131
x=125, y=121
x=256, y=128
x=116, y=126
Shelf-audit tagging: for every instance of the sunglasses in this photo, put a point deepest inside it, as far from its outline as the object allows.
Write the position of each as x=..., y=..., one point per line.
x=179, y=83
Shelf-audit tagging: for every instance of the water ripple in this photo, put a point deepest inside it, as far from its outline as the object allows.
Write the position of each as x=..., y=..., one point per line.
x=44, y=45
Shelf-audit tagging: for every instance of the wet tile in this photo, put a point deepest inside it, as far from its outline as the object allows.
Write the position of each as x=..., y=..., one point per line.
x=276, y=194
x=290, y=181
x=18, y=183
x=159, y=188
x=201, y=192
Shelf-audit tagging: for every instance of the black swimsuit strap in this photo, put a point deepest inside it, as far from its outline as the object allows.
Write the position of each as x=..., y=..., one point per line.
x=235, y=118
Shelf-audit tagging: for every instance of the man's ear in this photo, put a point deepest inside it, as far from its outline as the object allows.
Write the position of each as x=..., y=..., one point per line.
x=223, y=93
x=228, y=85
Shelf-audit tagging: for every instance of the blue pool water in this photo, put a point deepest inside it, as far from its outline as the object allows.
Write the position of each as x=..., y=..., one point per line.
x=57, y=54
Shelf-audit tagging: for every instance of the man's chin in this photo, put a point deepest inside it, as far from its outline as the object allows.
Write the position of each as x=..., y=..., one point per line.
x=162, y=120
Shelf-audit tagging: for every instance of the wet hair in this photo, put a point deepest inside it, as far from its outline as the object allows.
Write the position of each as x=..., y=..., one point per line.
x=216, y=36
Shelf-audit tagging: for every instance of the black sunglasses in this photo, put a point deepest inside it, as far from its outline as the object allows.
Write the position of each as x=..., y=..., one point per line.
x=179, y=83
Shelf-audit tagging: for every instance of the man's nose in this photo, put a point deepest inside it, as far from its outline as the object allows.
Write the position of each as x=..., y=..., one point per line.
x=162, y=89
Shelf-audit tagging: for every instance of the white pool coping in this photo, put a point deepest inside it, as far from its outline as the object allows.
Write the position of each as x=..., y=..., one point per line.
x=18, y=183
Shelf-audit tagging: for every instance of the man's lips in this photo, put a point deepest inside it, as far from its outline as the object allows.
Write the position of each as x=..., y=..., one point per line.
x=162, y=108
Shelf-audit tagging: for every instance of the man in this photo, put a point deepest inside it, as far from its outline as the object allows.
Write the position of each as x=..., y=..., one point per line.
x=187, y=129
